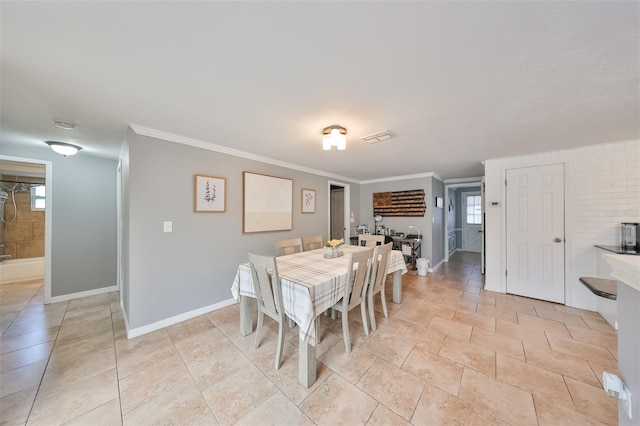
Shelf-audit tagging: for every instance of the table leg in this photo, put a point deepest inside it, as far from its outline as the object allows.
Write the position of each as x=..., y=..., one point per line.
x=246, y=320
x=397, y=286
x=306, y=364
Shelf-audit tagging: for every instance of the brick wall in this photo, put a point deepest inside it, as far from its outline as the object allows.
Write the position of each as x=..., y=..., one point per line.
x=23, y=238
x=602, y=189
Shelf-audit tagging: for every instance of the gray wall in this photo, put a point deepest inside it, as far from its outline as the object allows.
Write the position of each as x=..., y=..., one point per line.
x=168, y=274
x=438, y=218
x=400, y=224
x=83, y=239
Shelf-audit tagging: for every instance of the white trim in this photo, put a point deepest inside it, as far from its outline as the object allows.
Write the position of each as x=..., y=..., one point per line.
x=347, y=209
x=139, y=331
x=435, y=268
x=459, y=183
x=170, y=137
x=405, y=177
x=463, y=180
x=48, y=215
x=94, y=292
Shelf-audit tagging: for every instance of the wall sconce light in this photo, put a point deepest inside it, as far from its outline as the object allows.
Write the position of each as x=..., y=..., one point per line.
x=334, y=136
x=64, y=149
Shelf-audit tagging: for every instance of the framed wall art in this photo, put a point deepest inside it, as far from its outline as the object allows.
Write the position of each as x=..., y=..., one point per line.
x=267, y=203
x=439, y=202
x=307, y=200
x=209, y=194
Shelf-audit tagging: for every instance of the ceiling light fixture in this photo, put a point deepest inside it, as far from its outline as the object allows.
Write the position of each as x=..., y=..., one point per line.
x=64, y=124
x=64, y=149
x=334, y=136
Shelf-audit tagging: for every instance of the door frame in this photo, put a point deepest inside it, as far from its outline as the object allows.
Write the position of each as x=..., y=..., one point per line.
x=48, y=214
x=347, y=208
x=455, y=184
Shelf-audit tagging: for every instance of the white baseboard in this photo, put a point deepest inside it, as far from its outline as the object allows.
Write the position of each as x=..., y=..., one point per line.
x=435, y=268
x=72, y=296
x=139, y=331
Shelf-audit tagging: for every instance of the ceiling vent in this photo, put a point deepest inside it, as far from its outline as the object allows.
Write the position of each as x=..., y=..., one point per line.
x=377, y=137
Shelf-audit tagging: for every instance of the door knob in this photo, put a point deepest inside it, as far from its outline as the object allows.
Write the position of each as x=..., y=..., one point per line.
x=557, y=240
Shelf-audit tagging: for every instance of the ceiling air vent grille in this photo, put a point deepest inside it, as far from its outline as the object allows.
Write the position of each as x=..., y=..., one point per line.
x=377, y=137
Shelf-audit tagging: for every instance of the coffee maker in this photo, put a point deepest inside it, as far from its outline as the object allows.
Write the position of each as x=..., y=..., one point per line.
x=630, y=236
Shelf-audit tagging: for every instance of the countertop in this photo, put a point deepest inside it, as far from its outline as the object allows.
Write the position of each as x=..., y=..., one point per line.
x=625, y=269
x=619, y=250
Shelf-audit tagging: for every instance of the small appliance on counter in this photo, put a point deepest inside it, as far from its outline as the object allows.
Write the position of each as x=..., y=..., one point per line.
x=630, y=236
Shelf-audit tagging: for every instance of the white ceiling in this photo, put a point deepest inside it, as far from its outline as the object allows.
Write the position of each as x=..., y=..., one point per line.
x=455, y=82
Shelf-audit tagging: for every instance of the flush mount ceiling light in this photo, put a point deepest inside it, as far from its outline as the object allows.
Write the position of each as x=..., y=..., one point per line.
x=64, y=149
x=334, y=136
x=64, y=124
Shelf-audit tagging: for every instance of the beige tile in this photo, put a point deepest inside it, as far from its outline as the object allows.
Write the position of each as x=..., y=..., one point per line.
x=475, y=357
x=530, y=335
x=565, y=317
x=519, y=307
x=425, y=338
x=542, y=323
x=336, y=401
x=460, y=304
x=173, y=408
x=452, y=329
x=437, y=407
x=10, y=343
x=599, y=325
x=87, y=313
x=551, y=414
x=536, y=380
x=476, y=320
x=582, y=312
x=435, y=370
x=236, y=395
x=105, y=415
x=37, y=323
x=277, y=410
x=142, y=387
x=594, y=337
x=100, y=342
x=393, y=387
x=14, y=408
x=389, y=348
x=59, y=407
x=585, y=350
x=502, y=314
x=598, y=369
x=413, y=315
x=485, y=300
x=77, y=331
x=565, y=364
x=350, y=366
x=502, y=400
x=593, y=402
x=19, y=379
x=26, y=356
x=498, y=343
x=142, y=352
x=382, y=416
x=66, y=372
x=189, y=328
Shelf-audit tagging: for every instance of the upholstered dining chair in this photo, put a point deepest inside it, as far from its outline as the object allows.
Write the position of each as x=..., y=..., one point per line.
x=377, y=280
x=355, y=292
x=369, y=240
x=312, y=243
x=266, y=284
x=290, y=246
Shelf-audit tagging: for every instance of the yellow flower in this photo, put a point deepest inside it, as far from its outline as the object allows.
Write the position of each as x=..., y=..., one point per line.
x=334, y=243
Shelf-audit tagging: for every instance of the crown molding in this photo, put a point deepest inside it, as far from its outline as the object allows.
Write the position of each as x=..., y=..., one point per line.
x=405, y=177
x=170, y=137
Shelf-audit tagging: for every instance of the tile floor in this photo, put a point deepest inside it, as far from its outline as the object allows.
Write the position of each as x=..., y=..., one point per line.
x=451, y=353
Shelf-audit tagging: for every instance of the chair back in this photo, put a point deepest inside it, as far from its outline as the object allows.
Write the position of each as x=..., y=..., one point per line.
x=379, y=267
x=266, y=284
x=290, y=246
x=312, y=243
x=369, y=240
x=358, y=280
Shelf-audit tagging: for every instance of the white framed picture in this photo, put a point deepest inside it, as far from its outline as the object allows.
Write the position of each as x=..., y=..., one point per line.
x=209, y=194
x=307, y=200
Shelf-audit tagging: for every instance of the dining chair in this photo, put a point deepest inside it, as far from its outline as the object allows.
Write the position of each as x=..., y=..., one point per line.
x=369, y=240
x=355, y=292
x=266, y=284
x=290, y=246
x=312, y=243
x=377, y=280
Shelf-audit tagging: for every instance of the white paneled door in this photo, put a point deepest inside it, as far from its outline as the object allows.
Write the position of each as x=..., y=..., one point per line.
x=472, y=221
x=535, y=232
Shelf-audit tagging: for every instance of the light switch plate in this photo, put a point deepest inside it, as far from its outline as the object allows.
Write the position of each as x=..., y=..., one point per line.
x=167, y=226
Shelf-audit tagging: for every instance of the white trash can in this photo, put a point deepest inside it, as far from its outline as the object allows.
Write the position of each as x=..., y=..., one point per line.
x=421, y=264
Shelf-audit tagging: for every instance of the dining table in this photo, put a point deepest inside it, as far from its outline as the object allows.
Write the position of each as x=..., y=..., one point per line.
x=311, y=284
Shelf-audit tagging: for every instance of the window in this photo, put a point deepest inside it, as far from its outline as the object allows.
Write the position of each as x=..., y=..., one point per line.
x=474, y=209
x=37, y=197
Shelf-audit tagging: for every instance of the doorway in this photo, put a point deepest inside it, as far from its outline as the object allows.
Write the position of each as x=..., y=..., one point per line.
x=339, y=208
x=453, y=231
x=472, y=221
x=42, y=169
x=535, y=232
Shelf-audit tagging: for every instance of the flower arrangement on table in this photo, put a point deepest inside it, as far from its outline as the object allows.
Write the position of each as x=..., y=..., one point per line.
x=332, y=248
